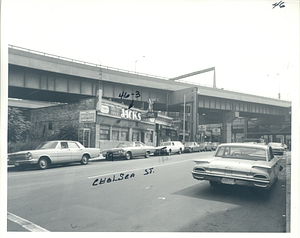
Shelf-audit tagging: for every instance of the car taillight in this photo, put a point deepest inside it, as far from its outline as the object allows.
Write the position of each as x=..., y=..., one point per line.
x=260, y=176
x=199, y=169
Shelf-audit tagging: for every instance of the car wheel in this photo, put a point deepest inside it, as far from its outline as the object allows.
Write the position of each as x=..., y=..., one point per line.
x=179, y=151
x=147, y=154
x=84, y=160
x=43, y=163
x=109, y=156
x=128, y=155
x=213, y=183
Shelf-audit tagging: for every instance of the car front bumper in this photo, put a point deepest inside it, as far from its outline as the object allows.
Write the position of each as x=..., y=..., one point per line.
x=160, y=151
x=114, y=154
x=22, y=162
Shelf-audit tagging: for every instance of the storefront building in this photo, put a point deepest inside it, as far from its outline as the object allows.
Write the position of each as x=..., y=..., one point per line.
x=102, y=123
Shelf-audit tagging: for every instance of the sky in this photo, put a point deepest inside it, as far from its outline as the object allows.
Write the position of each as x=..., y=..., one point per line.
x=253, y=45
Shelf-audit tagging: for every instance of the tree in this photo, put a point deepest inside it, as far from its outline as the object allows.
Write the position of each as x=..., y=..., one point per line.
x=68, y=132
x=17, y=125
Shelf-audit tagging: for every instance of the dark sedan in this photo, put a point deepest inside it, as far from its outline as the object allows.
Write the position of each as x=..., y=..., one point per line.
x=193, y=146
x=129, y=150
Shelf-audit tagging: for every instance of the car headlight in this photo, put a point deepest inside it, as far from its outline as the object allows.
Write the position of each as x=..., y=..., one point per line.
x=28, y=156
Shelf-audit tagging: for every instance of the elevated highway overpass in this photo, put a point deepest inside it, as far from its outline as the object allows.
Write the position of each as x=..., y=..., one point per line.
x=44, y=77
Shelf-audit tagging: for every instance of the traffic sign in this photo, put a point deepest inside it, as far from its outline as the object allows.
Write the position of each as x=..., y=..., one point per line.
x=201, y=128
x=151, y=115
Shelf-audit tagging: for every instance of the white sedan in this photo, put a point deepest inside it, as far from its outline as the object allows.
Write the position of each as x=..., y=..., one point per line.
x=239, y=164
x=53, y=152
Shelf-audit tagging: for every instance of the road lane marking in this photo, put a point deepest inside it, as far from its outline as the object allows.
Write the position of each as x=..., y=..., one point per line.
x=24, y=223
x=101, y=175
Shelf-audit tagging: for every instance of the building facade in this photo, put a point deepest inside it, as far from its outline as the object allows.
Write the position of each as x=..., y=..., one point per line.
x=103, y=123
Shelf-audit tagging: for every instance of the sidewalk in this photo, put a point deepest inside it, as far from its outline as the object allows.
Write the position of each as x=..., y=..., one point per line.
x=288, y=192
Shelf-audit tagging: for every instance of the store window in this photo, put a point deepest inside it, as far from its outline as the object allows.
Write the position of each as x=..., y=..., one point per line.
x=135, y=136
x=124, y=135
x=104, y=134
x=115, y=135
x=149, y=137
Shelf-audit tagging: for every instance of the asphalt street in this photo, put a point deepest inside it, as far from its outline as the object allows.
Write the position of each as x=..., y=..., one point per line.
x=155, y=194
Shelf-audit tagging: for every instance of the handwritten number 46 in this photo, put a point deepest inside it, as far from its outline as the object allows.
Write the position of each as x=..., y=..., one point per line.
x=126, y=95
x=148, y=171
x=280, y=4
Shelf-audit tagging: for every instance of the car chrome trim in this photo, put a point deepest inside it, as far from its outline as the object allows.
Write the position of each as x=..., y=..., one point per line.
x=195, y=174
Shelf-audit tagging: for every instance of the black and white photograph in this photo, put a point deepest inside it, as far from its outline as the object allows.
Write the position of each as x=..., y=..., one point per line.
x=150, y=118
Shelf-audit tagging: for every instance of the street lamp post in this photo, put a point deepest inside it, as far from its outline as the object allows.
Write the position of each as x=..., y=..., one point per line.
x=136, y=62
x=184, y=99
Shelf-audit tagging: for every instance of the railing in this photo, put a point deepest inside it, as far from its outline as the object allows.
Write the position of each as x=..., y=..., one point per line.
x=83, y=62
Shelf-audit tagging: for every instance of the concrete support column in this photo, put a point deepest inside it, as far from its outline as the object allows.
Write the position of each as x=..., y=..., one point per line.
x=130, y=134
x=226, y=132
x=246, y=127
x=144, y=137
x=194, y=118
x=157, y=130
x=227, y=122
x=97, y=136
x=110, y=132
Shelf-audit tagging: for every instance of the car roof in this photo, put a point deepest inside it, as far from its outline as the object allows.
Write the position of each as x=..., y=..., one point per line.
x=60, y=141
x=245, y=145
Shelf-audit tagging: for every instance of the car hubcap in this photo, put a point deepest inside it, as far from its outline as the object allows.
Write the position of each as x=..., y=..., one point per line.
x=43, y=163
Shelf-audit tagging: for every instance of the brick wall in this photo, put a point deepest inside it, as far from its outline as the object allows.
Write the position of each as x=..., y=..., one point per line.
x=49, y=120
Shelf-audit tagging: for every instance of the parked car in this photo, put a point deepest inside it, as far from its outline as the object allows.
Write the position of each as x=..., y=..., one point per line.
x=214, y=145
x=278, y=148
x=169, y=147
x=207, y=146
x=192, y=147
x=53, y=152
x=129, y=150
x=239, y=164
x=259, y=141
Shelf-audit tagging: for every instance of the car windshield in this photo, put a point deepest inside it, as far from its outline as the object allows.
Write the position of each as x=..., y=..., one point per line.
x=47, y=145
x=166, y=143
x=247, y=153
x=125, y=144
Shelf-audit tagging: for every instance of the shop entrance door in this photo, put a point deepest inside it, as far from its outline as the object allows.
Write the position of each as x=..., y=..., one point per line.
x=84, y=137
x=143, y=137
